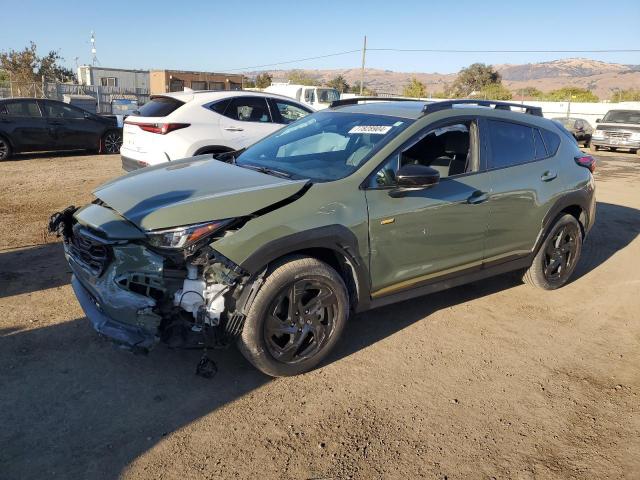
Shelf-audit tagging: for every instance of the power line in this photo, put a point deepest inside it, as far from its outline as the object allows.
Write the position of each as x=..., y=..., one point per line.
x=291, y=61
x=433, y=50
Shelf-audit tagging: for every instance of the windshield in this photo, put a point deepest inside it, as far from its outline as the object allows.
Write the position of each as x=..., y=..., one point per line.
x=328, y=95
x=324, y=146
x=622, y=116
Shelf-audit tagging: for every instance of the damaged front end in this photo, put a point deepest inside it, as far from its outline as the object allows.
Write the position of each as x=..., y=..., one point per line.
x=139, y=288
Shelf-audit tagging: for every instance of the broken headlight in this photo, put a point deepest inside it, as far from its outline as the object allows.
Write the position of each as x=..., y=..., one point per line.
x=182, y=237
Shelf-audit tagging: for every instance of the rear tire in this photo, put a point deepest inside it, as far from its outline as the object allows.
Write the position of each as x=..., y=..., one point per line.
x=296, y=318
x=5, y=149
x=111, y=142
x=558, y=255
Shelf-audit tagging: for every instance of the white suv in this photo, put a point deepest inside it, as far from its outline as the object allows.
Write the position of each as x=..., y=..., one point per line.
x=183, y=124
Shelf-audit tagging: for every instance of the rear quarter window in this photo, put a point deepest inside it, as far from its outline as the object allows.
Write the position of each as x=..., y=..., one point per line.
x=159, y=107
x=552, y=140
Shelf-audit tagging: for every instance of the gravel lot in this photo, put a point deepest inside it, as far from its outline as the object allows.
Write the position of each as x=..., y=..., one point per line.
x=488, y=380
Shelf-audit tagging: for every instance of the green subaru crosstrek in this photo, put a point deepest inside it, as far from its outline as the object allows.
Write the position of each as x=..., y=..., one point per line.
x=360, y=205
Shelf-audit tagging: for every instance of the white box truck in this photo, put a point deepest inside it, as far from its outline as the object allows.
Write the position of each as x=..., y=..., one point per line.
x=316, y=97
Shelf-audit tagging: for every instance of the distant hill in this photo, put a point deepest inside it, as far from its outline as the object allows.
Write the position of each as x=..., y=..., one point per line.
x=600, y=77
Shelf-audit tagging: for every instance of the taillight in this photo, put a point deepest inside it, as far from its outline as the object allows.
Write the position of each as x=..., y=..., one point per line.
x=160, y=128
x=587, y=161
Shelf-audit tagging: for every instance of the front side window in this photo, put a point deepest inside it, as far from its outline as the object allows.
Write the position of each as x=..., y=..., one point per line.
x=328, y=95
x=308, y=95
x=325, y=146
x=248, y=109
x=449, y=149
x=511, y=144
x=57, y=110
x=289, y=112
x=20, y=109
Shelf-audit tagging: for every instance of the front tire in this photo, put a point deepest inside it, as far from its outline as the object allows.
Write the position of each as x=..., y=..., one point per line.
x=111, y=142
x=296, y=318
x=558, y=255
x=5, y=149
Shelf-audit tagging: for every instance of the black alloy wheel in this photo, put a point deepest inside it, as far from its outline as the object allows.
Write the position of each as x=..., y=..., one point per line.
x=112, y=142
x=561, y=254
x=300, y=320
x=5, y=149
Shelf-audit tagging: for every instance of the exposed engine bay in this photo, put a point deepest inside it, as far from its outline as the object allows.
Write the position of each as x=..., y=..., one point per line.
x=191, y=298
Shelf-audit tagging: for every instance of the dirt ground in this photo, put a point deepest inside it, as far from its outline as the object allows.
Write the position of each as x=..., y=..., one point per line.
x=489, y=380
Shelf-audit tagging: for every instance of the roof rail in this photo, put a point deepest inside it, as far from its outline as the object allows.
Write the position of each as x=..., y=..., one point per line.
x=497, y=105
x=356, y=100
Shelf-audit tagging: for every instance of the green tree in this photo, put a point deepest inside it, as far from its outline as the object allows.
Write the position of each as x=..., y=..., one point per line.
x=339, y=83
x=298, y=77
x=415, y=88
x=530, y=92
x=263, y=80
x=369, y=92
x=27, y=66
x=494, y=91
x=575, y=94
x=474, y=78
x=248, y=83
x=627, y=95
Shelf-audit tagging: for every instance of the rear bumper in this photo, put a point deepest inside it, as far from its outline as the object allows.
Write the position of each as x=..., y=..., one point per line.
x=135, y=160
x=127, y=335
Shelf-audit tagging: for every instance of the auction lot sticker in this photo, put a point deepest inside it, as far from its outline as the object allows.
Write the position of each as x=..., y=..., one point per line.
x=372, y=129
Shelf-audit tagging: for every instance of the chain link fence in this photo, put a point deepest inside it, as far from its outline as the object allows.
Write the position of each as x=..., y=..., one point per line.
x=56, y=91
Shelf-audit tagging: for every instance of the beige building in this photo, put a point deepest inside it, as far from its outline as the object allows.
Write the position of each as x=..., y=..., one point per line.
x=162, y=81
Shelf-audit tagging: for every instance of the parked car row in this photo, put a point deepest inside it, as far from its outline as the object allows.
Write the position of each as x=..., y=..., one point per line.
x=32, y=125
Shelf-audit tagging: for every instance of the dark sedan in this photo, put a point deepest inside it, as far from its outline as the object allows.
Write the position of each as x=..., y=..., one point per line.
x=31, y=125
x=578, y=127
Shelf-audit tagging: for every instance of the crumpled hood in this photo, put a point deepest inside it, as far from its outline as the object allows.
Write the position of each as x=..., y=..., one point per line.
x=193, y=191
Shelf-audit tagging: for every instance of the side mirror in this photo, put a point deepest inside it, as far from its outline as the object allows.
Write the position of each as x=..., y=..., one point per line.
x=87, y=115
x=598, y=120
x=414, y=177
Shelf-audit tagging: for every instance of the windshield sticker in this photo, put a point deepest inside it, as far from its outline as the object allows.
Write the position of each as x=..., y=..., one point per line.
x=371, y=129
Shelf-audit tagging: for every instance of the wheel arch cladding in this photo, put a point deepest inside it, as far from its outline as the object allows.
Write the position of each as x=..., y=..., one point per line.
x=335, y=245
x=575, y=204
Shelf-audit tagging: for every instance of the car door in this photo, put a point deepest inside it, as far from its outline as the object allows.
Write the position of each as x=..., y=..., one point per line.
x=246, y=120
x=72, y=127
x=429, y=234
x=285, y=112
x=525, y=172
x=22, y=122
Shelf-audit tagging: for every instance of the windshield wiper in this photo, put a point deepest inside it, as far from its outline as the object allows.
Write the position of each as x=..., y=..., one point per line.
x=267, y=170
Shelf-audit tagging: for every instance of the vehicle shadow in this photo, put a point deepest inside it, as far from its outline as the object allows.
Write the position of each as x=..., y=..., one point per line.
x=615, y=228
x=74, y=406
x=17, y=157
x=27, y=270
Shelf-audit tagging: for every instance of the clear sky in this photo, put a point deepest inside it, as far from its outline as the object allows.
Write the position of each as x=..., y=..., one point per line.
x=227, y=35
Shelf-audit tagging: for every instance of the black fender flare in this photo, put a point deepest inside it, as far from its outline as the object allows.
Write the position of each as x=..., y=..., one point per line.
x=212, y=149
x=336, y=238
x=579, y=198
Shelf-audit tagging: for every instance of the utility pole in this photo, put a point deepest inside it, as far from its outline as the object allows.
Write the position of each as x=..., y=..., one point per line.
x=364, y=53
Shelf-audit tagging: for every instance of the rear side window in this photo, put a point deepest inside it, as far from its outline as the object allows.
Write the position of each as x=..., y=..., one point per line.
x=20, y=109
x=289, y=112
x=159, y=107
x=551, y=140
x=248, y=109
x=511, y=144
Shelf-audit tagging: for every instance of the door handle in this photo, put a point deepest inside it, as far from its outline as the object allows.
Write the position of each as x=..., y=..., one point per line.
x=548, y=176
x=234, y=129
x=478, y=197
